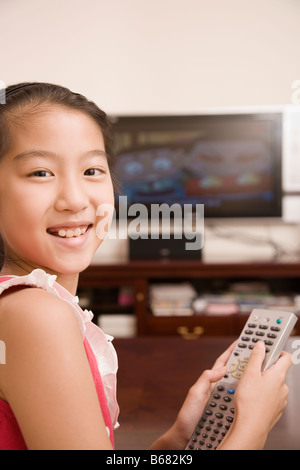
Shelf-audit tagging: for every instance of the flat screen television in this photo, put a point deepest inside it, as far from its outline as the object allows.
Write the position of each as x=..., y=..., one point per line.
x=231, y=163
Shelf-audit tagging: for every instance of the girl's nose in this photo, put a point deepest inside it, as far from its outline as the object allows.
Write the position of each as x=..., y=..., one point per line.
x=71, y=197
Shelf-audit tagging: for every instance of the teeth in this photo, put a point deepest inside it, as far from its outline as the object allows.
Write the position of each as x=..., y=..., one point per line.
x=72, y=233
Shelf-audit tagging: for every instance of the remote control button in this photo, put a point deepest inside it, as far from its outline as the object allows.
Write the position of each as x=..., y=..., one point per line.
x=245, y=338
x=271, y=335
x=230, y=390
x=268, y=342
x=220, y=388
x=252, y=325
x=227, y=399
x=242, y=345
x=245, y=359
x=237, y=374
x=229, y=419
x=213, y=404
x=263, y=327
x=234, y=365
x=216, y=396
x=275, y=328
x=259, y=333
x=223, y=407
x=248, y=332
x=219, y=415
x=278, y=320
x=242, y=366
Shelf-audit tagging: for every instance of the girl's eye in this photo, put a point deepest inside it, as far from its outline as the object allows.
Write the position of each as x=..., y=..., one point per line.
x=93, y=172
x=41, y=173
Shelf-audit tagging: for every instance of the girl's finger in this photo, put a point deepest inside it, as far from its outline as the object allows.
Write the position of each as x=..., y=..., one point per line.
x=222, y=360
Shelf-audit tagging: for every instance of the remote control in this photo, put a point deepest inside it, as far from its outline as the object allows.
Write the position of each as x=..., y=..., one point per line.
x=271, y=326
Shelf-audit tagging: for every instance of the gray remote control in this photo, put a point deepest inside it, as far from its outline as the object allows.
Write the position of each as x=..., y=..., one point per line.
x=271, y=326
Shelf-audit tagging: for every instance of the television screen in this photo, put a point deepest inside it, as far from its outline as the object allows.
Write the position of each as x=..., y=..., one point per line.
x=230, y=163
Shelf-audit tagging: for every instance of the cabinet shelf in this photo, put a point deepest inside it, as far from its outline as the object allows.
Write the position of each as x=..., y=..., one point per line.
x=139, y=275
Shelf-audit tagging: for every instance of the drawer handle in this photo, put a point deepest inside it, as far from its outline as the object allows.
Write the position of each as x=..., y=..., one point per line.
x=186, y=334
x=140, y=297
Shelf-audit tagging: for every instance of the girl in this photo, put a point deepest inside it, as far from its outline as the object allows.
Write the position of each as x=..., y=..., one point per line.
x=57, y=387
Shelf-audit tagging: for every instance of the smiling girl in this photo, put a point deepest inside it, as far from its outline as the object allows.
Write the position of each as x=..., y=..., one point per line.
x=58, y=384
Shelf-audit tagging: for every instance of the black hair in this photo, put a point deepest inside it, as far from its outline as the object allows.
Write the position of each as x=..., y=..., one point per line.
x=27, y=99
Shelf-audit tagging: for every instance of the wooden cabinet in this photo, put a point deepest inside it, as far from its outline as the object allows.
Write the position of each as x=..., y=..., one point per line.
x=139, y=275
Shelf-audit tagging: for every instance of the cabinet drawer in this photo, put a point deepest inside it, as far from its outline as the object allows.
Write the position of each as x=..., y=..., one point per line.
x=190, y=327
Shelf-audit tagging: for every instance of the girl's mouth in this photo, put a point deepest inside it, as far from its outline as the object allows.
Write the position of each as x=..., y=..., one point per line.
x=69, y=232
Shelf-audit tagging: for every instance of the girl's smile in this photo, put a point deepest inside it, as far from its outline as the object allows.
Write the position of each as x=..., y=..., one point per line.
x=71, y=235
x=56, y=176
x=69, y=230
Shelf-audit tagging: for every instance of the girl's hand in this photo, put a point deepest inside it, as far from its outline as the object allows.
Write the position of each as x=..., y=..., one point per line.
x=259, y=401
x=194, y=404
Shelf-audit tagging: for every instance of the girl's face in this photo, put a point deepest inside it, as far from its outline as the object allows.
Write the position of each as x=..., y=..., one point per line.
x=52, y=181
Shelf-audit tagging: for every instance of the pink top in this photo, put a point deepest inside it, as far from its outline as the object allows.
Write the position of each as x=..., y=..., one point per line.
x=98, y=349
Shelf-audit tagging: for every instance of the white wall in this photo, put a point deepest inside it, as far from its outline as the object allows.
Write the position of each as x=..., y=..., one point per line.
x=160, y=56
x=155, y=55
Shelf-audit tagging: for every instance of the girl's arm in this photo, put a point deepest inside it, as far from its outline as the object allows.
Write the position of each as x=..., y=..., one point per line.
x=178, y=435
x=47, y=378
x=267, y=390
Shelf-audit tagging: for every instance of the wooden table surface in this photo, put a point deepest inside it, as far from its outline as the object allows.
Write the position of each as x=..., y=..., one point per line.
x=155, y=374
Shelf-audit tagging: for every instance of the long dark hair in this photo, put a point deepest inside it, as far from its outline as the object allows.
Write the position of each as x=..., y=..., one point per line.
x=27, y=99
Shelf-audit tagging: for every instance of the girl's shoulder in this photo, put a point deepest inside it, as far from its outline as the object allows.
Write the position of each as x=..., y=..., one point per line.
x=33, y=311
x=36, y=298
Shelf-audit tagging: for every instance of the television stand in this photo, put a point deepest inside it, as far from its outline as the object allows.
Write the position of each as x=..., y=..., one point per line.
x=98, y=280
